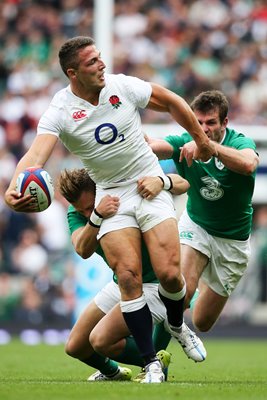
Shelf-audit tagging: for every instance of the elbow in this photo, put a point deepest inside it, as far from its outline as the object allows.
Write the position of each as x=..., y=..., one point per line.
x=84, y=253
x=187, y=186
x=250, y=166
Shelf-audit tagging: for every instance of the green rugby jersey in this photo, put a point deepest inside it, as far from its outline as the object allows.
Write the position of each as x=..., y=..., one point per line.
x=219, y=200
x=77, y=220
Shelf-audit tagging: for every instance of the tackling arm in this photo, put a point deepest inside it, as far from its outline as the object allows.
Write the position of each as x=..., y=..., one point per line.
x=179, y=184
x=150, y=186
x=84, y=239
x=160, y=147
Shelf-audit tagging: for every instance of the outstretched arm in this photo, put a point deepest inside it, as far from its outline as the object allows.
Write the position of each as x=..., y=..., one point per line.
x=160, y=147
x=164, y=100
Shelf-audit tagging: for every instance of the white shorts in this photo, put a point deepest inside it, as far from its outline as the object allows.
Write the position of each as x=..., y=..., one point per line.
x=110, y=295
x=134, y=210
x=228, y=258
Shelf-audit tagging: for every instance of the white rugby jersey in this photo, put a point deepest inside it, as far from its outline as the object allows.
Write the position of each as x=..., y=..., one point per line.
x=108, y=138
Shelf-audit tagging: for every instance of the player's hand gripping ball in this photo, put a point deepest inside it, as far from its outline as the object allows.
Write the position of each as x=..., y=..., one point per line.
x=38, y=183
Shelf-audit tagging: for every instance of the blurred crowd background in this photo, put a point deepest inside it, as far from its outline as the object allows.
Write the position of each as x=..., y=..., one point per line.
x=187, y=46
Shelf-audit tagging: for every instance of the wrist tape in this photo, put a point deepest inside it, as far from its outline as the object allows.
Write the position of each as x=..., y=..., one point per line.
x=167, y=182
x=95, y=219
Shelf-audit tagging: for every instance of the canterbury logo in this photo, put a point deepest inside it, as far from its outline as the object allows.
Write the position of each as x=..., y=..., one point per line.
x=78, y=115
x=186, y=235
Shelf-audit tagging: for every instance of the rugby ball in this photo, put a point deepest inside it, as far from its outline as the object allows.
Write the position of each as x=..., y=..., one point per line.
x=38, y=183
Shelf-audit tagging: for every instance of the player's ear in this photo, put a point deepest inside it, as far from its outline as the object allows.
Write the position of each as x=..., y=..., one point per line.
x=71, y=72
x=225, y=122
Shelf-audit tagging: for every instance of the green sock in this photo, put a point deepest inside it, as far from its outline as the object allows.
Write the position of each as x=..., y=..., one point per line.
x=161, y=338
x=104, y=364
x=130, y=354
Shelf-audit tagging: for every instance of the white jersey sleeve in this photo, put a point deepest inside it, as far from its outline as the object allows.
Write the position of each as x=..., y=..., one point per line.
x=139, y=91
x=52, y=121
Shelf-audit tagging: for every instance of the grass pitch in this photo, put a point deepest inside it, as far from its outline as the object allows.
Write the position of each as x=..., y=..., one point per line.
x=233, y=370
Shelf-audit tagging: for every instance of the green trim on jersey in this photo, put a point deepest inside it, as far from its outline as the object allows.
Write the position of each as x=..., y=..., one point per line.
x=77, y=220
x=219, y=200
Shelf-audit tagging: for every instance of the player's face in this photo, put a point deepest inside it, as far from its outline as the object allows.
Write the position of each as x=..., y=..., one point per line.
x=211, y=124
x=90, y=72
x=85, y=204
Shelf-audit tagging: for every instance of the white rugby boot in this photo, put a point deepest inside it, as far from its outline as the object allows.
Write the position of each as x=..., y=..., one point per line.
x=190, y=342
x=153, y=373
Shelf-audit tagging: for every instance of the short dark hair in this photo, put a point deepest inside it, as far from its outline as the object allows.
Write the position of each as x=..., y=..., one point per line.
x=68, y=52
x=71, y=184
x=210, y=100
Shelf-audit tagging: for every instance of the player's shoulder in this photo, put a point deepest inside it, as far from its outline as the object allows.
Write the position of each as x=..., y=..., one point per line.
x=122, y=80
x=62, y=98
x=71, y=209
x=233, y=137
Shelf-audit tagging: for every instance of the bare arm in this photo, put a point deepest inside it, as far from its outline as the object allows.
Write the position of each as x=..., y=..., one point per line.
x=37, y=155
x=166, y=101
x=160, y=147
x=150, y=186
x=243, y=161
x=180, y=185
x=84, y=239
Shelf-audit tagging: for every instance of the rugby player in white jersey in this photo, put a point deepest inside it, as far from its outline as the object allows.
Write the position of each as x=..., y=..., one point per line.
x=97, y=118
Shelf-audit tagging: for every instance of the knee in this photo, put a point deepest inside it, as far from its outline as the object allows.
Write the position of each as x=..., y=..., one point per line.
x=169, y=277
x=97, y=341
x=71, y=348
x=130, y=281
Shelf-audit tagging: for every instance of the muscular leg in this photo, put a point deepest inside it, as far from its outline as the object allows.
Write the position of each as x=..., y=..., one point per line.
x=78, y=345
x=163, y=245
x=123, y=252
x=209, y=304
x=122, y=249
x=192, y=265
x=208, y=308
x=110, y=338
x=165, y=257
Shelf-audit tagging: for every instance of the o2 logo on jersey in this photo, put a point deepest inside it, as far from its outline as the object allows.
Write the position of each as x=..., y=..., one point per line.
x=212, y=191
x=114, y=134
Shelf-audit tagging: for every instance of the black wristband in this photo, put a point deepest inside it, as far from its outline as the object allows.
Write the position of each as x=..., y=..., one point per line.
x=160, y=177
x=98, y=214
x=171, y=183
